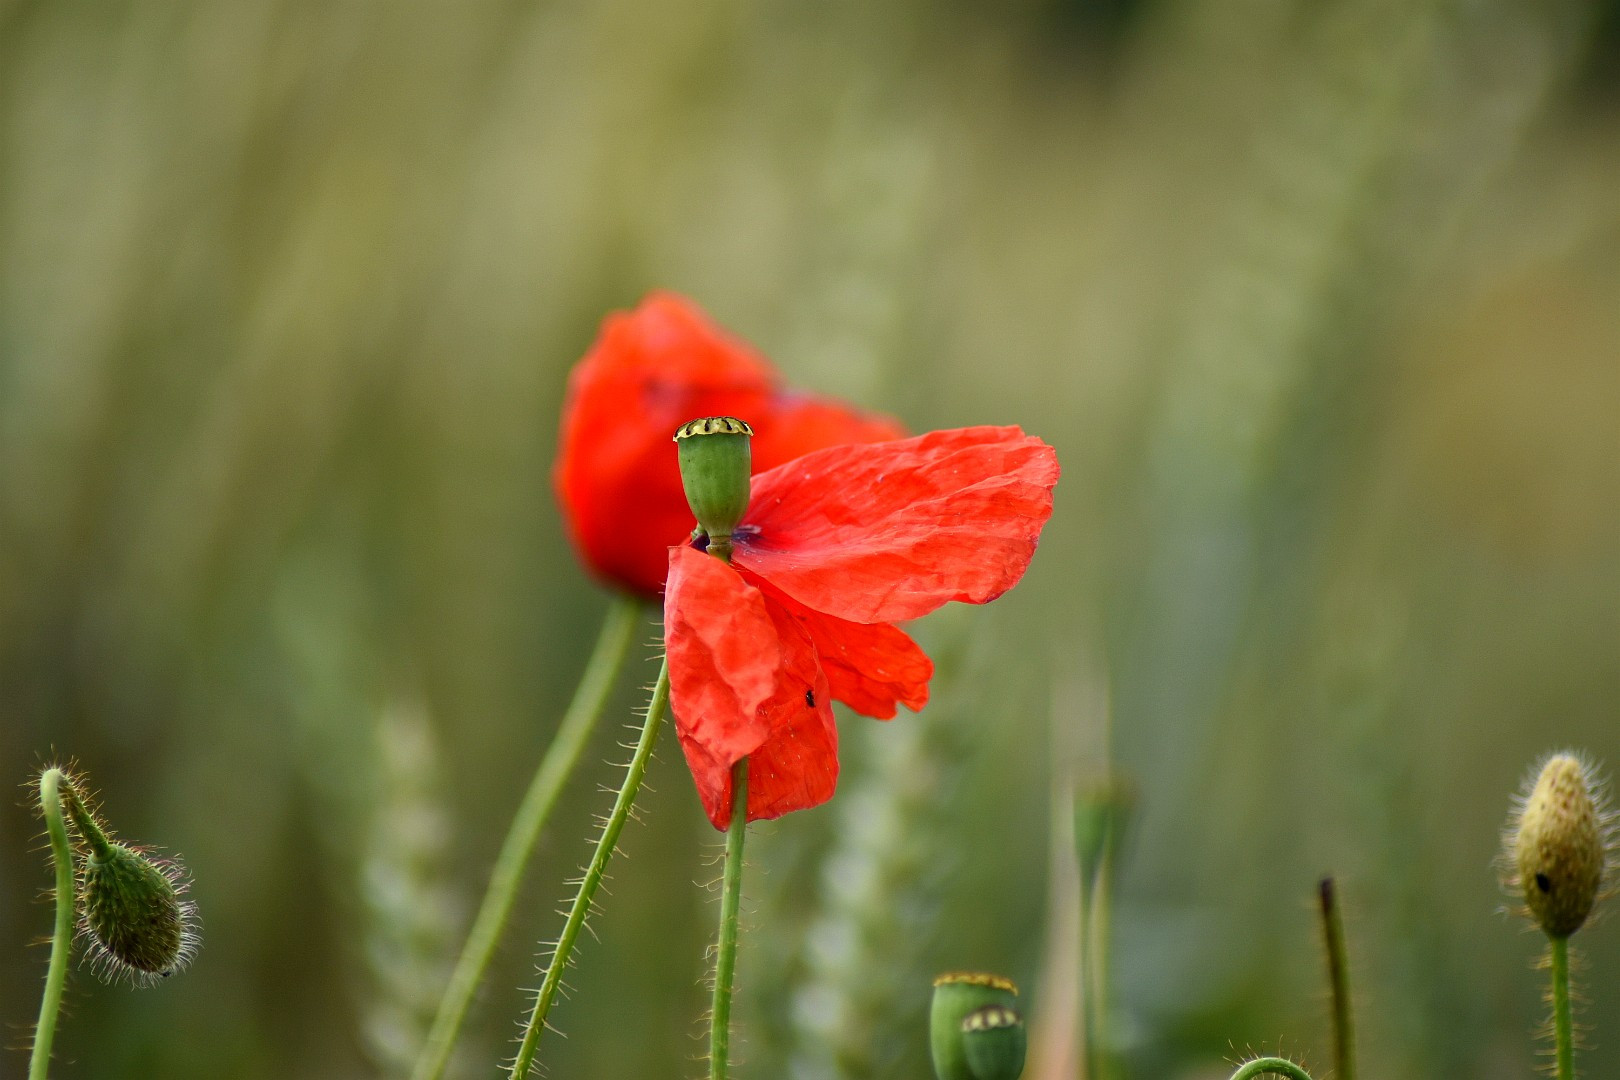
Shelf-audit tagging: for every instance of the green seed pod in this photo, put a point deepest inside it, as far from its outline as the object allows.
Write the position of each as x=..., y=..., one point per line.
x=956, y=996
x=135, y=915
x=1557, y=845
x=716, y=463
x=994, y=1042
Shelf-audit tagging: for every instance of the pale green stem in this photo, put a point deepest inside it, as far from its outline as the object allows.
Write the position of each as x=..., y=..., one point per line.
x=1563, y=1023
x=1096, y=914
x=593, y=875
x=725, y=957
x=561, y=757
x=1344, y=1030
x=1276, y=1066
x=50, y=801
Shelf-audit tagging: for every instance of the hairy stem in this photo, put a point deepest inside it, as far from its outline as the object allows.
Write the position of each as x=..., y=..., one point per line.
x=725, y=957
x=1344, y=1031
x=51, y=785
x=560, y=759
x=1275, y=1066
x=593, y=875
x=1563, y=1023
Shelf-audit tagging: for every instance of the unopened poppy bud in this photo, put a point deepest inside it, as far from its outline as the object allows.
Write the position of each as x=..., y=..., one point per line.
x=987, y=1000
x=716, y=464
x=1558, y=843
x=134, y=912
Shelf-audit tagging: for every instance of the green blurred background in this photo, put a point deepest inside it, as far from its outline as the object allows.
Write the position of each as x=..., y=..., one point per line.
x=1319, y=301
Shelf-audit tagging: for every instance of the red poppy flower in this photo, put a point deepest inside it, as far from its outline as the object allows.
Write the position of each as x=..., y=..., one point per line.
x=835, y=548
x=649, y=371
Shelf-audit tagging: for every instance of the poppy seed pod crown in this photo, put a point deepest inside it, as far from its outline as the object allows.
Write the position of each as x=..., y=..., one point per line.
x=716, y=462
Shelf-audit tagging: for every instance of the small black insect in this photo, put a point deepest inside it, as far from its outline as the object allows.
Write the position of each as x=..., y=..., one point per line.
x=810, y=698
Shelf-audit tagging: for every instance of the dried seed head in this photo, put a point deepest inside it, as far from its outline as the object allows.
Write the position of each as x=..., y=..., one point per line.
x=135, y=913
x=1558, y=843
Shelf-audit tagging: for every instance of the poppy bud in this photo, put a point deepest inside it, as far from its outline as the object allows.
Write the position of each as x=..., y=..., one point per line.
x=1558, y=842
x=134, y=913
x=972, y=1025
x=715, y=467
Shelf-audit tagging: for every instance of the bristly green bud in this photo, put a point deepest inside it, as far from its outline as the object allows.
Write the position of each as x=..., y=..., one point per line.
x=1558, y=844
x=134, y=912
x=994, y=1040
x=716, y=463
x=973, y=1024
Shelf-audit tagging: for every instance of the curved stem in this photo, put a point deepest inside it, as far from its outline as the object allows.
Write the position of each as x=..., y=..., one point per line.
x=1563, y=1023
x=1344, y=1031
x=561, y=757
x=593, y=875
x=725, y=957
x=1275, y=1066
x=50, y=801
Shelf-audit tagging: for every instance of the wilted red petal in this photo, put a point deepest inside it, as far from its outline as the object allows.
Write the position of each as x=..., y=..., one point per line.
x=723, y=651
x=797, y=766
x=744, y=682
x=889, y=532
x=650, y=371
x=872, y=668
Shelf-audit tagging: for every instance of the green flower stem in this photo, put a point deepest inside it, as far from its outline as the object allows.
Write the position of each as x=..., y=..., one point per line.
x=725, y=958
x=1275, y=1066
x=561, y=757
x=593, y=875
x=50, y=801
x=1344, y=1030
x=1563, y=1024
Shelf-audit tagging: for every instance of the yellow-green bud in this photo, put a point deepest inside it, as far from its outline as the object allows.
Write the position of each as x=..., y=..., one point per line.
x=716, y=463
x=972, y=1024
x=1557, y=845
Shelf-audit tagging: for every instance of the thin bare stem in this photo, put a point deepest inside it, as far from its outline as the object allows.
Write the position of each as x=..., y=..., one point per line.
x=1563, y=1022
x=559, y=762
x=1344, y=1030
x=725, y=959
x=51, y=784
x=593, y=875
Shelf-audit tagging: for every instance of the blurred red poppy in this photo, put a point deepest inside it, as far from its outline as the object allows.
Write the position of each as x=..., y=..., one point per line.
x=836, y=547
x=649, y=371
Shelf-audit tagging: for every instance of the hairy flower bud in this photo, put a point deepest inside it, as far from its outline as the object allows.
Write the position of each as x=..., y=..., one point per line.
x=1557, y=845
x=134, y=912
x=716, y=463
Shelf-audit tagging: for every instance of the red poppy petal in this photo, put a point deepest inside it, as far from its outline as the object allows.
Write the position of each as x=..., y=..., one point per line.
x=872, y=668
x=723, y=652
x=797, y=766
x=798, y=423
x=744, y=682
x=649, y=371
x=891, y=531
